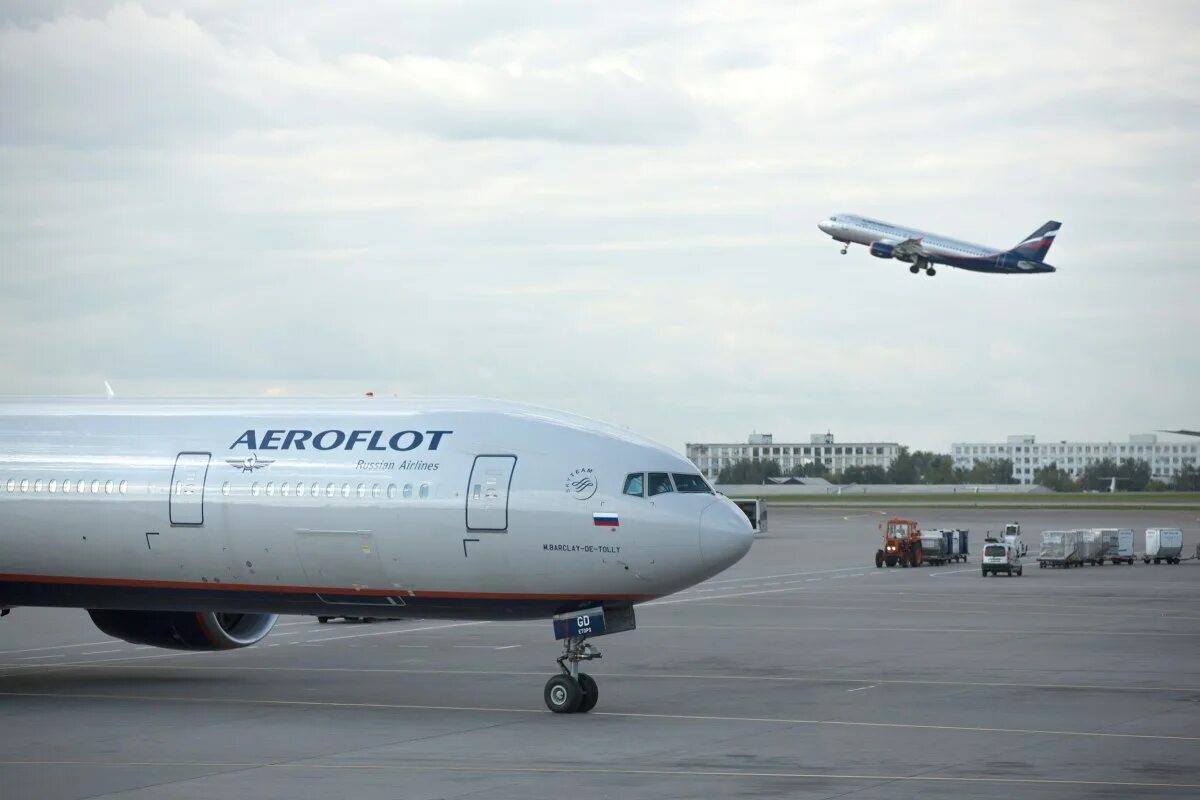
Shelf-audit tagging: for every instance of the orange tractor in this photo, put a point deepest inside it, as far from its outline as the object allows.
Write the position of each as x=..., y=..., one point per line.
x=901, y=544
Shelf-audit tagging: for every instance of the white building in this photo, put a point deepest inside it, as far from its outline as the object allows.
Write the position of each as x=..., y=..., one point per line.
x=711, y=458
x=1028, y=455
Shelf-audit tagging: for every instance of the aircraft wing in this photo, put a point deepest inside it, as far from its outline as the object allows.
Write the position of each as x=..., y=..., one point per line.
x=909, y=248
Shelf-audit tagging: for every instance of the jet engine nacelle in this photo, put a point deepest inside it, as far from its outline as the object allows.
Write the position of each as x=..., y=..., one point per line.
x=882, y=249
x=185, y=630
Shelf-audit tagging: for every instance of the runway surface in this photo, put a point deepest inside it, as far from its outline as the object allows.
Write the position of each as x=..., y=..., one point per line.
x=804, y=671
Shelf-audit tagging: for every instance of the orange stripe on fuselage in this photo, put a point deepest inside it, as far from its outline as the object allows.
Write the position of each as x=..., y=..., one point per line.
x=252, y=587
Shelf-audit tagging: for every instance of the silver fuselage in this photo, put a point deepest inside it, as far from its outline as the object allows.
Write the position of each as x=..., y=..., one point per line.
x=450, y=508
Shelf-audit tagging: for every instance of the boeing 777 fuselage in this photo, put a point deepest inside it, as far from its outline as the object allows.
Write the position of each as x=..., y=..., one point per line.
x=923, y=250
x=191, y=524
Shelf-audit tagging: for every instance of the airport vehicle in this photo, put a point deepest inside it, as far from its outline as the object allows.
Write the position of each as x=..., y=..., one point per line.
x=1093, y=547
x=191, y=524
x=1059, y=549
x=755, y=509
x=1000, y=556
x=901, y=544
x=1163, y=544
x=1119, y=544
x=1012, y=535
x=943, y=546
x=923, y=250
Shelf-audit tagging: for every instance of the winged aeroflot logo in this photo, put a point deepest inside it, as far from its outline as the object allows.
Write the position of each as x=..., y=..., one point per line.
x=250, y=462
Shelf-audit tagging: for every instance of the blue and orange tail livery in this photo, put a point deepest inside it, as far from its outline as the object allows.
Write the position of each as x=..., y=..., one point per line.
x=1035, y=246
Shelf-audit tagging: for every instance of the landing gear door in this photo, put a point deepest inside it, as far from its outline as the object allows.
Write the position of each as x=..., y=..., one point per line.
x=187, y=488
x=487, y=493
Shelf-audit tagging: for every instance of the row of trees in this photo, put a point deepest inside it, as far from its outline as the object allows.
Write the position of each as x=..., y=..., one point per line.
x=1132, y=475
x=918, y=466
x=922, y=466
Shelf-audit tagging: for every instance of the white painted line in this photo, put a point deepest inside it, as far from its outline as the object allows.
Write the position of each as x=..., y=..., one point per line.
x=98, y=652
x=783, y=575
x=508, y=647
x=56, y=647
x=859, y=689
x=36, y=658
x=952, y=571
x=258, y=701
x=813, y=678
x=380, y=767
x=398, y=630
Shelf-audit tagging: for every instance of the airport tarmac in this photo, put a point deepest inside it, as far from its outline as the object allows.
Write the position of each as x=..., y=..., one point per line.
x=804, y=671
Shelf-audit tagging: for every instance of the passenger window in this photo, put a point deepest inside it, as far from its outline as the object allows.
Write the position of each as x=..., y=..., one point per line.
x=270, y=489
x=635, y=484
x=345, y=490
x=95, y=487
x=315, y=489
x=330, y=489
x=66, y=487
x=108, y=487
x=284, y=491
x=408, y=491
x=254, y=489
x=11, y=485
x=362, y=491
x=424, y=490
x=81, y=487
x=690, y=483
x=659, y=483
x=391, y=491
x=53, y=487
x=123, y=487
x=37, y=485
x=375, y=490
x=225, y=488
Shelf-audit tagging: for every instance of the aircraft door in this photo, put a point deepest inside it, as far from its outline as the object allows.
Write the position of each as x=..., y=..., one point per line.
x=187, y=488
x=487, y=493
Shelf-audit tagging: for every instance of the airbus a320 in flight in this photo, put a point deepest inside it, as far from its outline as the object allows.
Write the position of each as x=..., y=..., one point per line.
x=922, y=249
x=193, y=524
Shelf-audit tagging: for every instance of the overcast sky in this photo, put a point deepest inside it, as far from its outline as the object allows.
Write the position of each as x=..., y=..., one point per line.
x=609, y=209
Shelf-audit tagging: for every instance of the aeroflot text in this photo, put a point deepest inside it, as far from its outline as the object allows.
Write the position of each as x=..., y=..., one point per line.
x=402, y=441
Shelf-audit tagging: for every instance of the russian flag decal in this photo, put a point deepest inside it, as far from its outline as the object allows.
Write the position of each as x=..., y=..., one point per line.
x=604, y=519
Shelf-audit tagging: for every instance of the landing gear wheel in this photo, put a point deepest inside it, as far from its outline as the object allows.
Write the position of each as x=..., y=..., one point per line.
x=591, y=693
x=930, y=271
x=844, y=249
x=563, y=695
x=322, y=620
x=914, y=269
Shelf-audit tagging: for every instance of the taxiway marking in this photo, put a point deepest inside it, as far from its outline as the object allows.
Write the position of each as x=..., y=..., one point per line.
x=258, y=701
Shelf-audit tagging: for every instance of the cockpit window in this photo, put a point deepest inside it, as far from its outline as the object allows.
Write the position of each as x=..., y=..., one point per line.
x=690, y=483
x=660, y=483
x=635, y=484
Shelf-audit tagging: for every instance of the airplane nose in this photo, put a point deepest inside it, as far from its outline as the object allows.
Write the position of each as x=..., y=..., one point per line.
x=826, y=226
x=725, y=535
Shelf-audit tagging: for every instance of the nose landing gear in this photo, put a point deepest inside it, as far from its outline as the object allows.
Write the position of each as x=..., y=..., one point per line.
x=573, y=691
x=845, y=247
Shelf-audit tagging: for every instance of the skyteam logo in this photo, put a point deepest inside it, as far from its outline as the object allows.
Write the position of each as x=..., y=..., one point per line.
x=296, y=439
x=581, y=483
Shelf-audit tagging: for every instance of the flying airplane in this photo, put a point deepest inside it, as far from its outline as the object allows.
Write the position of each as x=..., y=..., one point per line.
x=191, y=524
x=922, y=250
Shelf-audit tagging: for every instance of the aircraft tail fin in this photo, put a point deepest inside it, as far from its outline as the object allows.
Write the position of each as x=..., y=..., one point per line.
x=1035, y=246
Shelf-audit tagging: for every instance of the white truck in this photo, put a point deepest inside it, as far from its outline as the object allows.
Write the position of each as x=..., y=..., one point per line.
x=1000, y=556
x=1163, y=544
x=1120, y=544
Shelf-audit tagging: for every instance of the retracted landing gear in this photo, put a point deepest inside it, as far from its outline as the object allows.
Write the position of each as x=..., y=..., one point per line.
x=573, y=691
